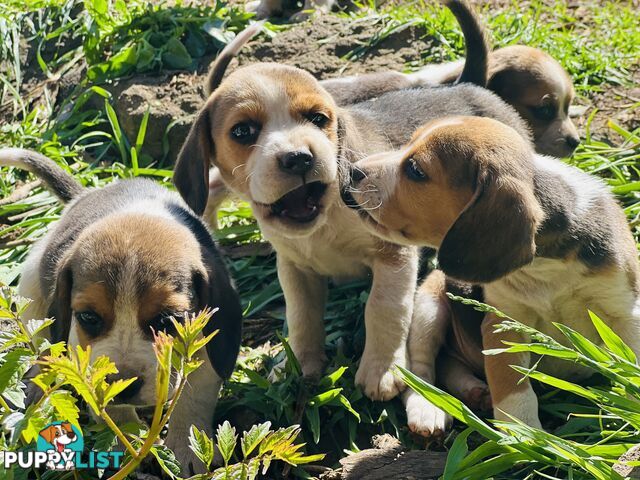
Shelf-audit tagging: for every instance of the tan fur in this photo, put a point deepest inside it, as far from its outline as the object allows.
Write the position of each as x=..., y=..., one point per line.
x=470, y=185
x=280, y=100
x=523, y=204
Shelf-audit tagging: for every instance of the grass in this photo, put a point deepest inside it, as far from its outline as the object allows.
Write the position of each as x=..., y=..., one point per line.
x=597, y=45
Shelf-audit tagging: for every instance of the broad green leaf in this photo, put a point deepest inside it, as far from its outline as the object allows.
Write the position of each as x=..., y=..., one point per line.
x=252, y=438
x=458, y=451
x=313, y=417
x=611, y=339
x=226, y=440
x=201, y=445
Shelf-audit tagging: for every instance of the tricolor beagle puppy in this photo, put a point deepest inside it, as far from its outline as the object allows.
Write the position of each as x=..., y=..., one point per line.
x=280, y=142
x=116, y=267
x=545, y=240
x=530, y=80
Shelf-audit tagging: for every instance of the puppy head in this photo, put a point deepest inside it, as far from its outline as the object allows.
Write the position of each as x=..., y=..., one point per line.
x=463, y=185
x=540, y=90
x=123, y=280
x=272, y=130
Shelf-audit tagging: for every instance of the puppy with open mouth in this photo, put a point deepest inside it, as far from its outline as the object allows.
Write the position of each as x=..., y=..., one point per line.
x=120, y=263
x=545, y=240
x=280, y=142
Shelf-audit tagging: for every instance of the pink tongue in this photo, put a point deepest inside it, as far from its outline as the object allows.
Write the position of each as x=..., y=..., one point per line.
x=60, y=447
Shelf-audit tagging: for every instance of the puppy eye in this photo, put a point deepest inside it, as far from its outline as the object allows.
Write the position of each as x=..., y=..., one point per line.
x=163, y=322
x=544, y=112
x=90, y=322
x=414, y=171
x=318, y=119
x=245, y=132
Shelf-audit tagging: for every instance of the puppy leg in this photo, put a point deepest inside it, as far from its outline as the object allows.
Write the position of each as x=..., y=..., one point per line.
x=311, y=7
x=305, y=295
x=387, y=321
x=428, y=330
x=510, y=398
x=459, y=381
x=218, y=193
x=195, y=407
x=264, y=8
x=29, y=285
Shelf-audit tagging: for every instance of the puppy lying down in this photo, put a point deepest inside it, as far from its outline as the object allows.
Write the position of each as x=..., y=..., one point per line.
x=545, y=240
x=120, y=262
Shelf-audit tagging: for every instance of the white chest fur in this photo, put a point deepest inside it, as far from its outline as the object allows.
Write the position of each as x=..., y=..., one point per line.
x=550, y=290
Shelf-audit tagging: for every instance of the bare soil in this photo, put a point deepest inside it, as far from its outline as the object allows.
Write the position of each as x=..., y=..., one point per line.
x=319, y=47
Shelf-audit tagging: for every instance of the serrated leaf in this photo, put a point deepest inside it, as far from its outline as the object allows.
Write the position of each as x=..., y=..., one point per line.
x=252, y=438
x=201, y=445
x=167, y=460
x=226, y=440
x=65, y=406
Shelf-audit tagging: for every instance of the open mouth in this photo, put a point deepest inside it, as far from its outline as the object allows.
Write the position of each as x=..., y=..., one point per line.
x=301, y=205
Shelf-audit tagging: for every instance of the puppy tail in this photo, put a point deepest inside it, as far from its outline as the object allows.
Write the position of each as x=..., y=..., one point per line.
x=61, y=183
x=216, y=74
x=476, y=65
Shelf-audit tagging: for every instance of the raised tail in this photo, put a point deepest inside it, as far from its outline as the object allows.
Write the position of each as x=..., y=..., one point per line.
x=217, y=71
x=476, y=65
x=61, y=183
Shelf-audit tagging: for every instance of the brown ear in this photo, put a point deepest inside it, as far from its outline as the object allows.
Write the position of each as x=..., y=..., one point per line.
x=495, y=233
x=216, y=291
x=60, y=308
x=48, y=433
x=191, y=173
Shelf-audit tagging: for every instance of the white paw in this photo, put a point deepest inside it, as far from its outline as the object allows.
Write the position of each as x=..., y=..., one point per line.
x=376, y=378
x=424, y=418
x=522, y=405
x=260, y=8
x=312, y=363
x=302, y=16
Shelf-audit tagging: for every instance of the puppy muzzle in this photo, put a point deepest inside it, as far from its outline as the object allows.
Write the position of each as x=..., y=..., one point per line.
x=355, y=176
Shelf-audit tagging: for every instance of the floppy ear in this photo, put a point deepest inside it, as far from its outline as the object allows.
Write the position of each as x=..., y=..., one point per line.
x=191, y=173
x=60, y=308
x=495, y=233
x=48, y=433
x=216, y=291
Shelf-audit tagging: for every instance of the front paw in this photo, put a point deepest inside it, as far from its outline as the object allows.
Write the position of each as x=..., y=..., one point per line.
x=376, y=378
x=424, y=418
x=522, y=405
x=260, y=8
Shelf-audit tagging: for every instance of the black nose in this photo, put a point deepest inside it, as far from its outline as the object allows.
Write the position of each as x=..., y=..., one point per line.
x=298, y=162
x=356, y=175
x=572, y=141
x=71, y=435
x=129, y=392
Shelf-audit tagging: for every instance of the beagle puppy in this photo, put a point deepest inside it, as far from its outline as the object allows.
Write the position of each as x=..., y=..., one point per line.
x=545, y=240
x=120, y=262
x=280, y=141
x=527, y=78
x=59, y=437
x=348, y=91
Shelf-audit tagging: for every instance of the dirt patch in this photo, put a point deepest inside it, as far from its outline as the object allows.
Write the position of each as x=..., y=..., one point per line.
x=318, y=47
